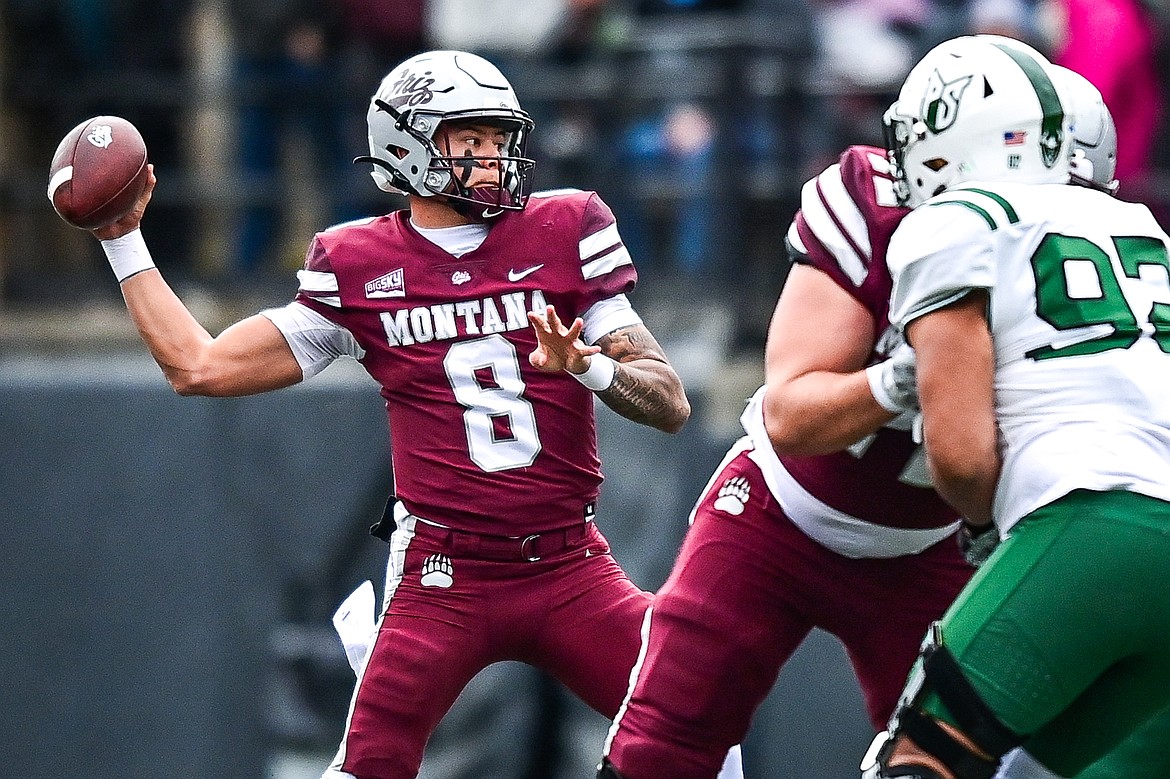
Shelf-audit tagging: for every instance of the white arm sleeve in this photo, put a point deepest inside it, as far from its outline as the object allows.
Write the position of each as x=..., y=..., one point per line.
x=608, y=315
x=315, y=341
x=936, y=256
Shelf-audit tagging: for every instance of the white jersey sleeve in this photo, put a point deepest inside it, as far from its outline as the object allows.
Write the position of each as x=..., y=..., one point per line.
x=1079, y=287
x=607, y=315
x=938, y=254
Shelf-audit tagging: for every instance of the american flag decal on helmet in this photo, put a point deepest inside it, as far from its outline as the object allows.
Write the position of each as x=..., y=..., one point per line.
x=1015, y=138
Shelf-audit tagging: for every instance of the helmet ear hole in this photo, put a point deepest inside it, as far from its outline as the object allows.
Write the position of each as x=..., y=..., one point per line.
x=936, y=164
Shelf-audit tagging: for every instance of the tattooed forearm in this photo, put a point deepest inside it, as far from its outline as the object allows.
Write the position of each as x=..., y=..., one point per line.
x=631, y=343
x=638, y=395
x=645, y=388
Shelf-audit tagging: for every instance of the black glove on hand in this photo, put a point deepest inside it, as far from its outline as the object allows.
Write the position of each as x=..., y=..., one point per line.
x=977, y=542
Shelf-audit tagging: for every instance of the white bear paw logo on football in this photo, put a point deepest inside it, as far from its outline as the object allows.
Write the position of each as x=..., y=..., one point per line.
x=437, y=571
x=733, y=495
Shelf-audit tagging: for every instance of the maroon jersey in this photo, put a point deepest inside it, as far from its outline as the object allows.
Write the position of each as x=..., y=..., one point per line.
x=846, y=218
x=779, y=546
x=480, y=440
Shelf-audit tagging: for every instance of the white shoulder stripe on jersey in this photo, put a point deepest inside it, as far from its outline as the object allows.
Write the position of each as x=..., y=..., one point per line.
x=842, y=204
x=884, y=190
x=837, y=222
x=818, y=219
x=606, y=263
x=317, y=281
x=995, y=210
x=321, y=287
x=333, y=301
x=879, y=162
x=600, y=240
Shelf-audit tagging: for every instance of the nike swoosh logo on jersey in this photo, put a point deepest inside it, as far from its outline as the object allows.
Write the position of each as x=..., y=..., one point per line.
x=516, y=275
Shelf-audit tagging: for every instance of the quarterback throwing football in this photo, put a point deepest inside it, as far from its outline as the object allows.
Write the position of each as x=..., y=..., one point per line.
x=490, y=319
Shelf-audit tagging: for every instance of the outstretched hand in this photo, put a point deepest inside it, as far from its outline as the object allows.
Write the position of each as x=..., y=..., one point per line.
x=559, y=347
x=131, y=221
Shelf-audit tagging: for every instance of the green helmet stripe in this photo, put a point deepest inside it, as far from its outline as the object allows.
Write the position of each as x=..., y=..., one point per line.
x=1052, y=125
x=968, y=204
x=1012, y=216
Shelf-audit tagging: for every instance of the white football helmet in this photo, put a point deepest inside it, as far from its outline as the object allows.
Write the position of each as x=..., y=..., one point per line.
x=442, y=86
x=1094, y=160
x=977, y=108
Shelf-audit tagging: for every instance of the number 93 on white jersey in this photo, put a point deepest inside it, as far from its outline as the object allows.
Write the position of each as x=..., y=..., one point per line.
x=1079, y=284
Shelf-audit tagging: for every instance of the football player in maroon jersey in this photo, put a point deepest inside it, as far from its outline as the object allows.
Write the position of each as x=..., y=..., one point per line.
x=820, y=516
x=789, y=535
x=490, y=319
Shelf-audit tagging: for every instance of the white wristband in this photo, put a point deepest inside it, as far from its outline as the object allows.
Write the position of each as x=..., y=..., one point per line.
x=599, y=375
x=128, y=255
x=877, y=385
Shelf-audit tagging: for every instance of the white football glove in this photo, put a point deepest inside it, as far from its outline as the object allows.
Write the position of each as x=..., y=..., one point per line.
x=894, y=381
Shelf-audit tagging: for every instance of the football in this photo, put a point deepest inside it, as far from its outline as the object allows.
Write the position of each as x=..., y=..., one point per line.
x=98, y=172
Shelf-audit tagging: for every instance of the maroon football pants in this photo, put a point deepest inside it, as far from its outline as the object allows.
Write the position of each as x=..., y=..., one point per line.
x=747, y=588
x=574, y=614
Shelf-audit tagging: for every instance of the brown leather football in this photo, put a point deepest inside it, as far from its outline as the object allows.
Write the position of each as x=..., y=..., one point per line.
x=98, y=172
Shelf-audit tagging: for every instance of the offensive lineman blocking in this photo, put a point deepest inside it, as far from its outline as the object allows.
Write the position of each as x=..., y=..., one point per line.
x=794, y=529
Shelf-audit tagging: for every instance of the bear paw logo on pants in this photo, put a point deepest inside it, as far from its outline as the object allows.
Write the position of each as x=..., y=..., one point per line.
x=733, y=496
x=437, y=571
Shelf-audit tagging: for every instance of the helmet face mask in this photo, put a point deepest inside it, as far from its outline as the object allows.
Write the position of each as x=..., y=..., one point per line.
x=977, y=108
x=445, y=88
x=900, y=133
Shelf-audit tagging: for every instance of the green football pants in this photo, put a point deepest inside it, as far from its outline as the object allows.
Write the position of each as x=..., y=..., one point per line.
x=1065, y=631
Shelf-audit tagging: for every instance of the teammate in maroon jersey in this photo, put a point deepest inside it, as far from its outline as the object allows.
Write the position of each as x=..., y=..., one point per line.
x=820, y=516
x=490, y=321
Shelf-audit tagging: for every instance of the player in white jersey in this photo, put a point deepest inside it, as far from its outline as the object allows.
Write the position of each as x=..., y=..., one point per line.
x=1094, y=165
x=1040, y=316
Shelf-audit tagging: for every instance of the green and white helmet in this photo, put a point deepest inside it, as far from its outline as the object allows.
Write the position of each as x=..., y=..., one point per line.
x=978, y=108
x=1094, y=161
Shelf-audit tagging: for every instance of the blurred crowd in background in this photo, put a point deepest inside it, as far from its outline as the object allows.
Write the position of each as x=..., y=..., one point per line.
x=698, y=120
